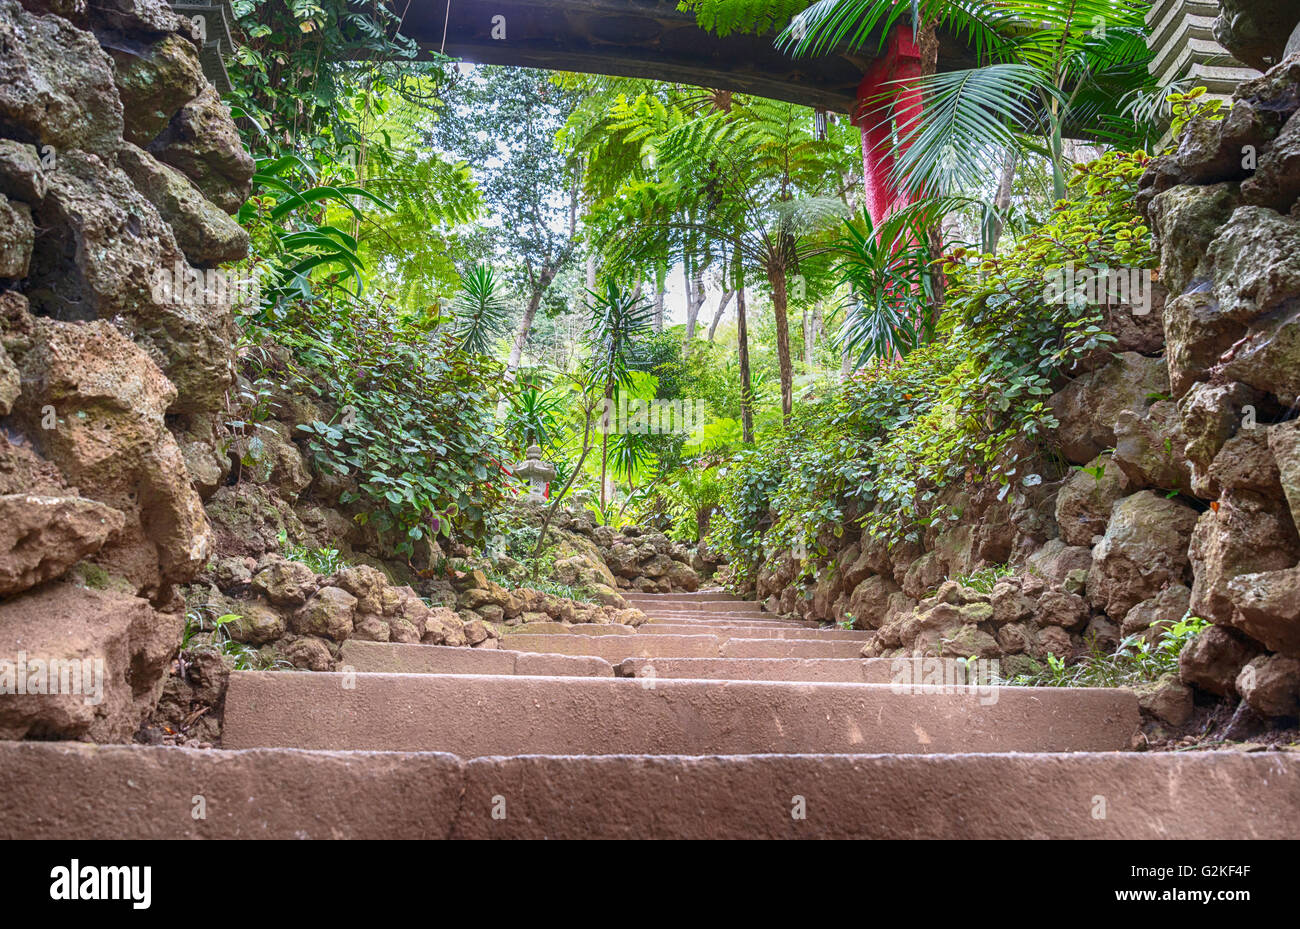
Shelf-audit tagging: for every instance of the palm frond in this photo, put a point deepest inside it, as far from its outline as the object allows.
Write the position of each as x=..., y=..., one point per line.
x=970, y=119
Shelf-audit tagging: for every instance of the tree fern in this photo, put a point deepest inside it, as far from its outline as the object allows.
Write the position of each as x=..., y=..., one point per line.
x=756, y=17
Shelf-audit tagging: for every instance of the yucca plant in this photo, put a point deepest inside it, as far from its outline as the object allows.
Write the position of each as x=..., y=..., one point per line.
x=482, y=310
x=630, y=454
x=619, y=319
x=534, y=416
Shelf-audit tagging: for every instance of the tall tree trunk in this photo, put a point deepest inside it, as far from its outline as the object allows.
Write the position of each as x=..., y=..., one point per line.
x=938, y=280
x=722, y=308
x=816, y=328
x=746, y=387
x=1001, y=200
x=695, y=295
x=604, y=462
x=530, y=312
x=780, y=299
x=805, y=325
x=661, y=288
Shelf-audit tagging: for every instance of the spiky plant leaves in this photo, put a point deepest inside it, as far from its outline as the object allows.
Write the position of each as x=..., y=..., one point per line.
x=482, y=310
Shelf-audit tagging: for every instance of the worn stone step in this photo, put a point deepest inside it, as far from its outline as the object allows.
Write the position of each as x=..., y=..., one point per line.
x=789, y=648
x=704, y=593
x=706, y=626
x=740, y=631
x=396, y=658
x=75, y=790
x=599, y=629
x=679, y=605
x=617, y=647
x=476, y=715
x=698, y=626
x=829, y=670
x=749, y=619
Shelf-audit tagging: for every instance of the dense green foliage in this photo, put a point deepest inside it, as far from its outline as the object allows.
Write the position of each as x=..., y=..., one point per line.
x=969, y=406
x=422, y=229
x=416, y=430
x=343, y=209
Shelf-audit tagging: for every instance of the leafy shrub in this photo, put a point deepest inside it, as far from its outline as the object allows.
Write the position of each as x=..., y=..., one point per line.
x=414, y=417
x=693, y=493
x=983, y=580
x=516, y=540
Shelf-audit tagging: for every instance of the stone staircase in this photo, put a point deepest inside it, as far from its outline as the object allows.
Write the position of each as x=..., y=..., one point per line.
x=713, y=720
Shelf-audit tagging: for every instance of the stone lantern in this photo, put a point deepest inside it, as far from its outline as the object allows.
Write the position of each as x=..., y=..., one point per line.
x=537, y=472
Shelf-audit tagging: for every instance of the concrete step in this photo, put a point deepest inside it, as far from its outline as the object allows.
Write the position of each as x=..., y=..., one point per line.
x=74, y=790
x=477, y=715
x=396, y=658
x=617, y=647
x=827, y=670
x=739, y=631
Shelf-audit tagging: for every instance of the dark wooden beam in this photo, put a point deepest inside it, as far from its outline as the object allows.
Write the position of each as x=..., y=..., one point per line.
x=630, y=38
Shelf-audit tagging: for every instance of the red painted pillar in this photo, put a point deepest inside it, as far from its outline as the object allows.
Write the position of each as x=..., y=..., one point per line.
x=884, y=107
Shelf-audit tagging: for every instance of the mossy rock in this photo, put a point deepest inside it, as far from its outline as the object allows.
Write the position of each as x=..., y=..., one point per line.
x=92, y=576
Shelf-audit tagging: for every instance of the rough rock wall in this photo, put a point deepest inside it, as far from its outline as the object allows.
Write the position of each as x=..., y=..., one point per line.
x=605, y=560
x=118, y=162
x=1187, y=495
x=1256, y=31
x=1224, y=208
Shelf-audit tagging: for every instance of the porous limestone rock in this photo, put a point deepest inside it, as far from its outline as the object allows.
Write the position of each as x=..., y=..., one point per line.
x=42, y=537
x=1143, y=551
